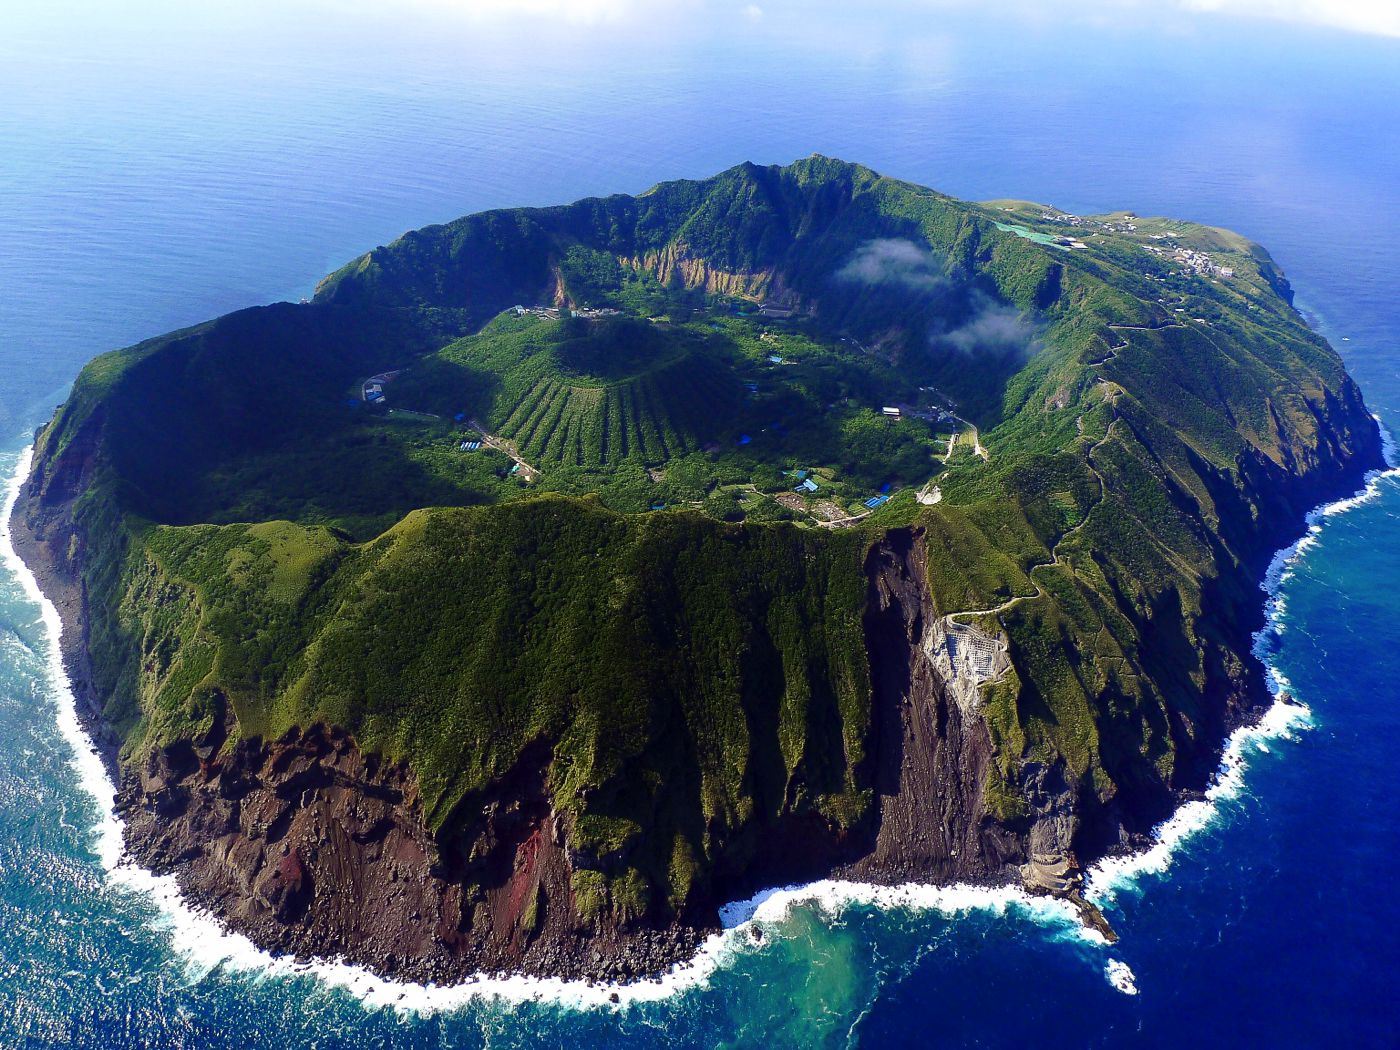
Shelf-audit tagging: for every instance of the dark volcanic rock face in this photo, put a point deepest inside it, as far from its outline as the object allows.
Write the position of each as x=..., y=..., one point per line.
x=312, y=847
x=929, y=755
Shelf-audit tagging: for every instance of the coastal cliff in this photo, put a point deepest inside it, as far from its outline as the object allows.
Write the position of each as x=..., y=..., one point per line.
x=546, y=733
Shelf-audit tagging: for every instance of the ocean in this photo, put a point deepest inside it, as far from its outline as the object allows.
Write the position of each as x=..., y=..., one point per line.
x=159, y=166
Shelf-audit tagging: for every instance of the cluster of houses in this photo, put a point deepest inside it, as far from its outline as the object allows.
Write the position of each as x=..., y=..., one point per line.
x=1200, y=263
x=470, y=446
x=1070, y=219
x=1191, y=261
x=807, y=485
x=552, y=313
x=940, y=418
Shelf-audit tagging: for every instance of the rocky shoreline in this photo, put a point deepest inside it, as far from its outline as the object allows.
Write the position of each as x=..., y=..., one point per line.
x=44, y=555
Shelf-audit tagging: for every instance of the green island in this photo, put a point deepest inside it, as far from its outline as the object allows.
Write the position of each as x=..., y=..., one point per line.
x=556, y=575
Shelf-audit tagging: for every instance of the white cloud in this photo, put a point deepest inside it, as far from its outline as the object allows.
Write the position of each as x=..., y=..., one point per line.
x=996, y=328
x=582, y=12
x=893, y=260
x=1381, y=17
x=577, y=12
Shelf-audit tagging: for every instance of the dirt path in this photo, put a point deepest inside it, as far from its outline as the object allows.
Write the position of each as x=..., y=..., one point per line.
x=500, y=444
x=845, y=523
x=1113, y=350
x=1010, y=603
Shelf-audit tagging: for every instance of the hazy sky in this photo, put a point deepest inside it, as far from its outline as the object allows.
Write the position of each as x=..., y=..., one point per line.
x=1365, y=16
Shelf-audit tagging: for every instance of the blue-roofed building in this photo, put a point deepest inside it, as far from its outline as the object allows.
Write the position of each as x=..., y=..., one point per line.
x=808, y=485
x=744, y=439
x=876, y=501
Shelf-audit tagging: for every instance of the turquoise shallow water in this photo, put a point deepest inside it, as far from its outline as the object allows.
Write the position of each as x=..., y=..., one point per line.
x=158, y=169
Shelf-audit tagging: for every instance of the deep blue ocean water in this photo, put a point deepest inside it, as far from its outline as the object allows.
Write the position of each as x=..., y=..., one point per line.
x=159, y=167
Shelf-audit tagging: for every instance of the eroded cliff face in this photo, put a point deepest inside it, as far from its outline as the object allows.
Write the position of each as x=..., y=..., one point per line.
x=312, y=847
x=675, y=265
x=47, y=536
x=929, y=753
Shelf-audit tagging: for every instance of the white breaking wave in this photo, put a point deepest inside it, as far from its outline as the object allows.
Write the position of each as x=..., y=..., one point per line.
x=1121, y=976
x=206, y=943
x=199, y=937
x=1282, y=721
x=832, y=895
x=1112, y=875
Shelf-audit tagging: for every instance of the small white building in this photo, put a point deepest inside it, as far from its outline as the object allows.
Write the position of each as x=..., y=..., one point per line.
x=891, y=411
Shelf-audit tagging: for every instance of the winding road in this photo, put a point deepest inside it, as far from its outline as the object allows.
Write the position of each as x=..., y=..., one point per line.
x=1010, y=603
x=1089, y=458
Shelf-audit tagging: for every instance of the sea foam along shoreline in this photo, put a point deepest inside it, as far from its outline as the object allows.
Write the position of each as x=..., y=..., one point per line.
x=1285, y=717
x=200, y=938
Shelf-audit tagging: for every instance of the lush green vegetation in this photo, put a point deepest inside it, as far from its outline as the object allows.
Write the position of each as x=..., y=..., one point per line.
x=258, y=540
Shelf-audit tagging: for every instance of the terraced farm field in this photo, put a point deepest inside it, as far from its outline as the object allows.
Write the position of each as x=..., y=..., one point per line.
x=586, y=393
x=668, y=412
